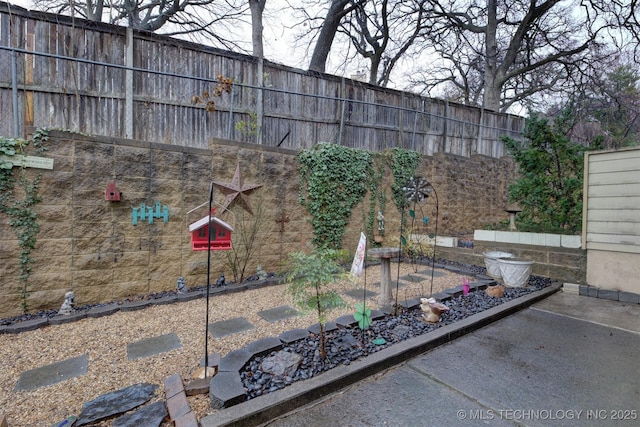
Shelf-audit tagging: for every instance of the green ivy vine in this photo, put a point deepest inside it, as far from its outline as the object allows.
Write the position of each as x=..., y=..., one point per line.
x=333, y=180
x=403, y=164
x=18, y=198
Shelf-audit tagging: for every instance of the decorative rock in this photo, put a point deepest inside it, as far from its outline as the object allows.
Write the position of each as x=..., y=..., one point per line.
x=68, y=306
x=496, y=291
x=283, y=363
x=199, y=373
x=148, y=416
x=117, y=402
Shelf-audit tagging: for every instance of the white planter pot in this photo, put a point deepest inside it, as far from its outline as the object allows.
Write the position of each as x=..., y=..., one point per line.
x=491, y=262
x=515, y=272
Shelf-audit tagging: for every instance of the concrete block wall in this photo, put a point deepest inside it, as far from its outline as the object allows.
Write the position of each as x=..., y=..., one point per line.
x=89, y=245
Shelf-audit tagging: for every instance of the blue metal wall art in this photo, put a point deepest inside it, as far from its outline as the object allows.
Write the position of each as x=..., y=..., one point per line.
x=148, y=213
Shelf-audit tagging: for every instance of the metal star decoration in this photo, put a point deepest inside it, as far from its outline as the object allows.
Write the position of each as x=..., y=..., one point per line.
x=236, y=191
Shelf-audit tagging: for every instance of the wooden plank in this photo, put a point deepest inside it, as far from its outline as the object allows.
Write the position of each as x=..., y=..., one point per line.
x=614, y=227
x=613, y=247
x=630, y=163
x=606, y=215
x=615, y=203
x=625, y=177
x=616, y=239
x=631, y=189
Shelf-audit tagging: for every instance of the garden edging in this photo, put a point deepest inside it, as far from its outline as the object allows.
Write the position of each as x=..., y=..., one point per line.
x=273, y=405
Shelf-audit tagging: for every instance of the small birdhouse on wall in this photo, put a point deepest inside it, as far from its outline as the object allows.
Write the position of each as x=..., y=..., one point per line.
x=112, y=193
x=220, y=234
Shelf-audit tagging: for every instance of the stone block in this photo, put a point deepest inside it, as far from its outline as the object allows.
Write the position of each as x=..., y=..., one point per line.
x=178, y=405
x=629, y=297
x=329, y=326
x=584, y=290
x=608, y=294
x=27, y=325
x=172, y=385
x=62, y=318
x=101, y=311
x=226, y=390
x=571, y=288
x=294, y=335
x=573, y=242
x=128, y=289
x=234, y=361
x=198, y=386
x=484, y=235
x=134, y=305
x=264, y=346
x=187, y=420
x=552, y=240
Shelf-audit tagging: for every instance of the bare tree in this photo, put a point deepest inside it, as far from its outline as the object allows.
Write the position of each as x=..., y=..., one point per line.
x=383, y=32
x=524, y=46
x=212, y=21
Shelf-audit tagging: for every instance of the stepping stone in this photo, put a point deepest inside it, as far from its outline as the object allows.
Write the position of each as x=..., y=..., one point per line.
x=106, y=310
x=360, y=293
x=413, y=278
x=226, y=390
x=328, y=327
x=288, y=337
x=436, y=273
x=152, y=346
x=148, y=416
x=27, y=325
x=377, y=315
x=52, y=374
x=279, y=313
x=234, y=361
x=115, y=403
x=225, y=328
x=264, y=346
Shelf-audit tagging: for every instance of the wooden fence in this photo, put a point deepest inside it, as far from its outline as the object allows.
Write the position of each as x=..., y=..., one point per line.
x=111, y=81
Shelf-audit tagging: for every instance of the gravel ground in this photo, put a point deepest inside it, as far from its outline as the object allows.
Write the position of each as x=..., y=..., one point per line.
x=105, y=341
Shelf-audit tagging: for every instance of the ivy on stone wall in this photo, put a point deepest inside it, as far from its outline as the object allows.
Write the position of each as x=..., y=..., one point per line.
x=403, y=164
x=18, y=198
x=333, y=180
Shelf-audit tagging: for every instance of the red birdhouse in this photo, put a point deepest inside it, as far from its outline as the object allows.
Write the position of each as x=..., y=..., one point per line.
x=220, y=234
x=112, y=193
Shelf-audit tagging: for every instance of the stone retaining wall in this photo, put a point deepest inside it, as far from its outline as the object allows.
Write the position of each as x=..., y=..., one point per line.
x=90, y=245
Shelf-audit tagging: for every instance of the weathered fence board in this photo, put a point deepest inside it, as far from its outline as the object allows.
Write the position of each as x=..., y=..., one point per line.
x=71, y=74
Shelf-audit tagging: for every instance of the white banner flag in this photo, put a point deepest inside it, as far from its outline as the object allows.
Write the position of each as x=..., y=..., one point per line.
x=358, y=259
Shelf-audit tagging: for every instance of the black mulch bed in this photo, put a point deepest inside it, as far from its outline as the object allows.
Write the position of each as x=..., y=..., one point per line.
x=346, y=345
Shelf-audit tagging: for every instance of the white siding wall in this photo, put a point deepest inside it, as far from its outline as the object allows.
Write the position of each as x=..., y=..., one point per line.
x=611, y=219
x=612, y=201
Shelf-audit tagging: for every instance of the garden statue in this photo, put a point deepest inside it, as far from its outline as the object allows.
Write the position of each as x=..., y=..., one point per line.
x=261, y=273
x=380, y=221
x=69, y=303
x=220, y=281
x=181, y=285
x=432, y=309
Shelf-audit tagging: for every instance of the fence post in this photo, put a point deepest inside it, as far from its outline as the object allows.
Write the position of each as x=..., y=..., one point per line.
x=14, y=93
x=343, y=93
x=259, y=100
x=128, y=102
